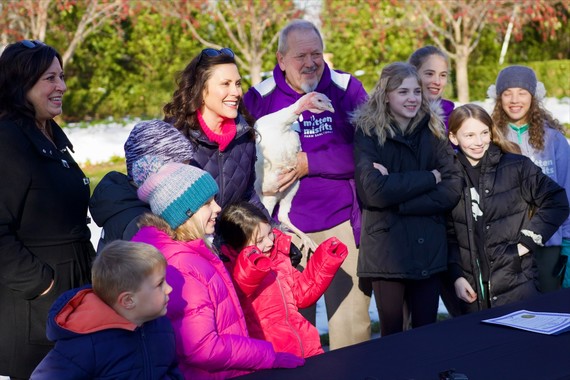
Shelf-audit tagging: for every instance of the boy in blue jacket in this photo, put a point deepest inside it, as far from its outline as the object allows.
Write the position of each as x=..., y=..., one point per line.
x=115, y=328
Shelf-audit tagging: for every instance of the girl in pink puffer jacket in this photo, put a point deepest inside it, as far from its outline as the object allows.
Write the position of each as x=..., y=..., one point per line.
x=212, y=341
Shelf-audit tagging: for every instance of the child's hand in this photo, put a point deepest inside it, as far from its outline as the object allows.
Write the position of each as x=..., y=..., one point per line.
x=464, y=291
x=333, y=246
x=437, y=176
x=287, y=360
x=255, y=256
x=380, y=167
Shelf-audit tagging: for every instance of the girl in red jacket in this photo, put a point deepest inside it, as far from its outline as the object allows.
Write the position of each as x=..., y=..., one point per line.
x=270, y=289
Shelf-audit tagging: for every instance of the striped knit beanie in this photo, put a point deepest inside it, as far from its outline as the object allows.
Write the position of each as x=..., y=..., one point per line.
x=174, y=191
x=156, y=138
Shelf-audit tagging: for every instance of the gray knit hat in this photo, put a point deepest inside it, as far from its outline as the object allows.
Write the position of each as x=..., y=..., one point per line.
x=173, y=190
x=516, y=77
x=156, y=138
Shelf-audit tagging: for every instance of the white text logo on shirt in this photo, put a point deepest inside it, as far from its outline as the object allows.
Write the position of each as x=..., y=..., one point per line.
x=547, y=166
x=317, y=126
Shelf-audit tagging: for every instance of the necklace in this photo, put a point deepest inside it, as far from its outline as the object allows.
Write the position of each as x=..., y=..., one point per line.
x=44, y=130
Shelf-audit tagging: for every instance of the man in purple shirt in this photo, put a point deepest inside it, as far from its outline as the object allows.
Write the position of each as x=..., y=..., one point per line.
x=325, y=204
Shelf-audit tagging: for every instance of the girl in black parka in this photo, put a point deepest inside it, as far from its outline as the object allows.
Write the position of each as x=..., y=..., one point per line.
x=507, y=209
x=406, y=182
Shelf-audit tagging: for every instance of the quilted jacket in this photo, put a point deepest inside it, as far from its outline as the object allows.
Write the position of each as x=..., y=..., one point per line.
x=116, y=207
x=105, y=345
x=520, y=205
x=233, y=169
x=271, y=291
x=212, y=341
x=403, y=213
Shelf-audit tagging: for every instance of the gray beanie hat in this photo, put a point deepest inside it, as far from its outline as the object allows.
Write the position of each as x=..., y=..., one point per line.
x=516, y=77
x=156, y=138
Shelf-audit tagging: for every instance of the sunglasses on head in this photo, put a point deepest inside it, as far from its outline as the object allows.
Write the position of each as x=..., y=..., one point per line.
x=30, y=44
x=209, y=52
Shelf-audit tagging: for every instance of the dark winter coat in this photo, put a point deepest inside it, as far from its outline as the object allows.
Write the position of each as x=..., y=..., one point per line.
x=105, y=345
x=233, y=169
x=519, y=202
x=43, y=237
x=403, y=213
x=116, y=208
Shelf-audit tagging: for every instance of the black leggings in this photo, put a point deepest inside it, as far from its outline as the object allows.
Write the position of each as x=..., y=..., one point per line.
x=421, y=296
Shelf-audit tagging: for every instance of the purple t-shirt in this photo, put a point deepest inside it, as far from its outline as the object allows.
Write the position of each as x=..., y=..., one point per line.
x=325, y=197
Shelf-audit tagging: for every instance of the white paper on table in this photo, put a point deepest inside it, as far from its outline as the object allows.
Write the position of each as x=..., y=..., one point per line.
x=539, y=322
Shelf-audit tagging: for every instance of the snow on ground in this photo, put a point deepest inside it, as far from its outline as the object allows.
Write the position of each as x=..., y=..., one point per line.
x=98, y=143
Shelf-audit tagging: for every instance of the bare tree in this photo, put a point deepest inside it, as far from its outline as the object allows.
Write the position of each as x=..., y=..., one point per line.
x=97, y=13
x=460, y=24
x=250, y=27
x=23, y=19
x=29, y=19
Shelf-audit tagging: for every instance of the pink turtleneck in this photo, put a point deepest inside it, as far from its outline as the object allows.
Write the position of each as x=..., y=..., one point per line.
x=223, y=139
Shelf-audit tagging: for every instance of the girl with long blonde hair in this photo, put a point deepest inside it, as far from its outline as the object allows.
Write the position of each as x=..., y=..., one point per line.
x=406, y=181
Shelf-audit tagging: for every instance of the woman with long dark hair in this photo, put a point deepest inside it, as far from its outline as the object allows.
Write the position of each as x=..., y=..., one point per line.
x=45, y=244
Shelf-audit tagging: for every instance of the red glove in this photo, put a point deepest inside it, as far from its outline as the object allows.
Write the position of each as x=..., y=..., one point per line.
x=332, y=246
x=253, y=254
x=287, y=360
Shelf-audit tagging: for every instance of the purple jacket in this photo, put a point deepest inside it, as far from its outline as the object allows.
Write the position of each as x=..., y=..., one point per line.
x=212, y=341
x=326, y=195
x=447, y=106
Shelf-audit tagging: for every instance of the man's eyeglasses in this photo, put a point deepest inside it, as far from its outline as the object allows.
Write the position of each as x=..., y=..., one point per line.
x=30, y=44
x=209, y=52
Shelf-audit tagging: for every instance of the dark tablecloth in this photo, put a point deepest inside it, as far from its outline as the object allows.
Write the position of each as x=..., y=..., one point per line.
x=479, y=350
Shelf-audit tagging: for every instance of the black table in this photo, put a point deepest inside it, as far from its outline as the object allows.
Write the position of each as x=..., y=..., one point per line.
x=479, y=350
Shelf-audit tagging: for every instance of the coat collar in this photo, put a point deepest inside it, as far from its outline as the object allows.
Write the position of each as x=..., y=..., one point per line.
x=41, y=143
x=491, y=157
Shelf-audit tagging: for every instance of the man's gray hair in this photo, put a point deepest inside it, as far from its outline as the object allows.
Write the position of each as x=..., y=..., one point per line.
x=297, y=24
